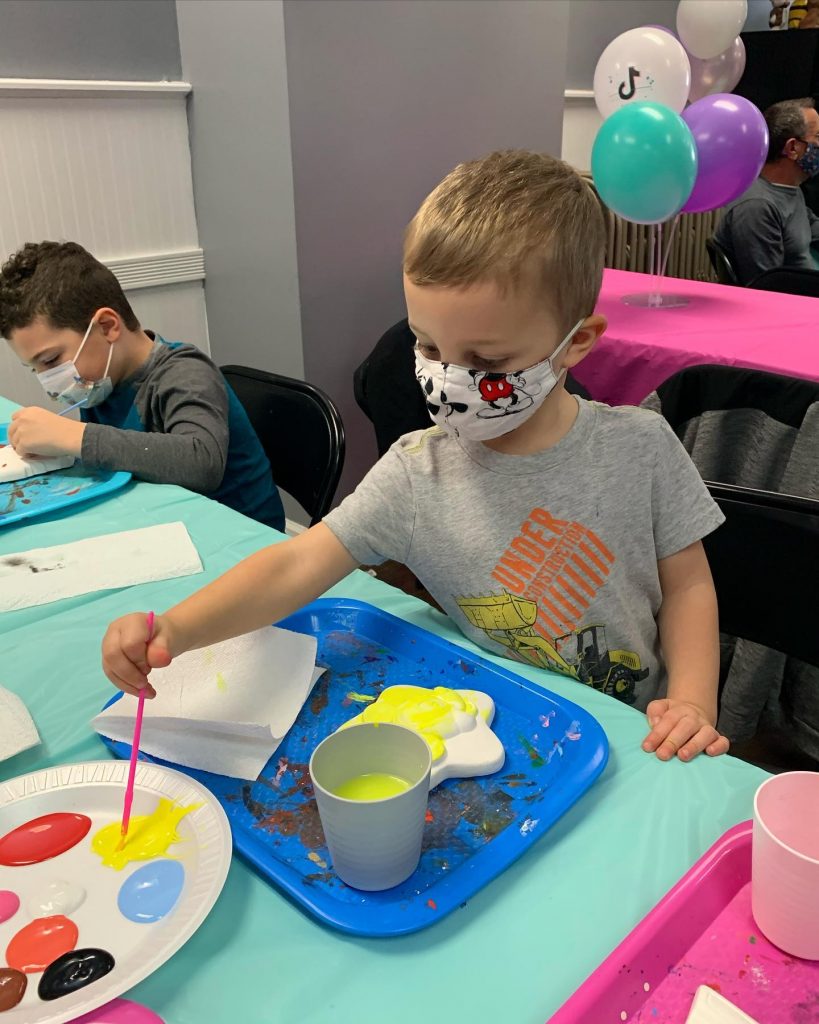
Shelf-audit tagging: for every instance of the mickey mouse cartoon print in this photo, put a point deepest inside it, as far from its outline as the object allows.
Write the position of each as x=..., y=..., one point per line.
x=503, y=394
x=479, y=405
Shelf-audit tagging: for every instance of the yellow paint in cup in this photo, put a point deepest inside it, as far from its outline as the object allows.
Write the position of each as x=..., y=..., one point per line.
x=371, y=786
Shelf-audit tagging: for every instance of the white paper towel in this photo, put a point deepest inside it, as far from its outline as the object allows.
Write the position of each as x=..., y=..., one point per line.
x=17, y=729
x=42, y=575
x=225, y=708
x=15, y=467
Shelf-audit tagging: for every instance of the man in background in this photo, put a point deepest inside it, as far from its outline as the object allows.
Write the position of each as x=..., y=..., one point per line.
x=770, y=226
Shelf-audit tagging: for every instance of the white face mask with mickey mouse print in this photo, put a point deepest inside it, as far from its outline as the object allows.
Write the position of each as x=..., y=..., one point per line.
x=479, y=406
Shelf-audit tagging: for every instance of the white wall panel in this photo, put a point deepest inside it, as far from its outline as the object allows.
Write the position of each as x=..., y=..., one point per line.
x=106, y=164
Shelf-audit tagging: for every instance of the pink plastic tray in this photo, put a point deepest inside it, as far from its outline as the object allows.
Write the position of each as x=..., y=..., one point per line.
x=701, y=933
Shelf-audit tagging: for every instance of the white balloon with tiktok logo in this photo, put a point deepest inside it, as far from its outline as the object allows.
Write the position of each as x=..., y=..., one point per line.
x=644, y=64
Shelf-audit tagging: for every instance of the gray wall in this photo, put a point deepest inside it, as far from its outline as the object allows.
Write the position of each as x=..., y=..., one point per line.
x=233, y=55
x=117, y=39
x=385, y=98
x=594, y=23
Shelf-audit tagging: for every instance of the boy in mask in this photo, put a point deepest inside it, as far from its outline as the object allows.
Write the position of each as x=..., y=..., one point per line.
x=160, y=410
x=559, y=532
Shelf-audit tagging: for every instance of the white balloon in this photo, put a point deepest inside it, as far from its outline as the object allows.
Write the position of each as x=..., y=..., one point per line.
x=644, y=64
x=707, y=27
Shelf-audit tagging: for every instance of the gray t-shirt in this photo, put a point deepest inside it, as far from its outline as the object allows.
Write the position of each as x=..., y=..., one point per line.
x=550, y=558
x=768, y=226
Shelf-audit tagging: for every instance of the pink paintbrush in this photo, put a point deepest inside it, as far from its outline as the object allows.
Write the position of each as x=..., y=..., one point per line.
x=129, y=788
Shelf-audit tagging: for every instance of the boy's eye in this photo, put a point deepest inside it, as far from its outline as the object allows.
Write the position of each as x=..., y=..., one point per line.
x=51, y=361
x=428, y=351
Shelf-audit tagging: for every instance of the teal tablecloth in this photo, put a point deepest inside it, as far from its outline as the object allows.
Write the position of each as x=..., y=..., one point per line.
x=512, y=954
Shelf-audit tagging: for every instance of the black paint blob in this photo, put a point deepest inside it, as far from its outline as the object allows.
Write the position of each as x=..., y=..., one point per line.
x=74, y=970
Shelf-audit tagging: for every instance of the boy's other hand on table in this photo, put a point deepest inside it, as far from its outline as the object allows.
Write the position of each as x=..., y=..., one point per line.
x=682, y=729
x=128, y=657
x=35, y=431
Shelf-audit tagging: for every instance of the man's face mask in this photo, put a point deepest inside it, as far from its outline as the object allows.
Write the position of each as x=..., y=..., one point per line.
x=64, y=384
x=478, y=405
x=809, y=161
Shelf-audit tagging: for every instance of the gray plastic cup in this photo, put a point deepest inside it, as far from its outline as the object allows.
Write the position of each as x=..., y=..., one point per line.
x=374, y=844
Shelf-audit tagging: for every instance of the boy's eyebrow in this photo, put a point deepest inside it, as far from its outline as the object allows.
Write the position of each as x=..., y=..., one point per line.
x=50, y=350
x=482, y=341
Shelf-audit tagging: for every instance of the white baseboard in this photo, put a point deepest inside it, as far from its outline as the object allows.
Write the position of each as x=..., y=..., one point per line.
x=293, y=529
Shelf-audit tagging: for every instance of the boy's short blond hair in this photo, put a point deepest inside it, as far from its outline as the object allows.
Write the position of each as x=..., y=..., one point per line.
x=518, y=219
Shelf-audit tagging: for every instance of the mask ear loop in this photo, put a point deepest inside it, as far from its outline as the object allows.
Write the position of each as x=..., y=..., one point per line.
x=564, y=344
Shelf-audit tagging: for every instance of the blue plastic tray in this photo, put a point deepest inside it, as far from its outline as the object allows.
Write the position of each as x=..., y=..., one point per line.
x=475, y=827
x=50, y=492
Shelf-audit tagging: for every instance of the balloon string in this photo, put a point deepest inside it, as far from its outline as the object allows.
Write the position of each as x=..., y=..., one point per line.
x=669, y=245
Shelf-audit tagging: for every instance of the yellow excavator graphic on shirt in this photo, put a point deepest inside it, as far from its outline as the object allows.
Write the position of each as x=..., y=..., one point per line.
x=582, y=654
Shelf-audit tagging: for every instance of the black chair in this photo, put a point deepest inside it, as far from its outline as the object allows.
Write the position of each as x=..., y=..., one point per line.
x=721, y=264
x=765, y=564
x=301, y=432
x=387, y=391
x=791, y=280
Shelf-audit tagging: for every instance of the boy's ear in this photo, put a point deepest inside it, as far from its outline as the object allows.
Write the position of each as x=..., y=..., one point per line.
x=585, y=339
x=110, y=323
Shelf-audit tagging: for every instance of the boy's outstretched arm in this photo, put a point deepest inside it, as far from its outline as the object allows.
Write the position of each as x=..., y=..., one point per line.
x=260, y=590
x=683, y=723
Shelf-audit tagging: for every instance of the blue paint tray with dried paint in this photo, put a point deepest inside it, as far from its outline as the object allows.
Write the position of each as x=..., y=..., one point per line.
x=52, y=492
x=475, y=827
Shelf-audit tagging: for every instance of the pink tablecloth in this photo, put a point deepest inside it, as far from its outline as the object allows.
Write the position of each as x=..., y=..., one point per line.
x=734, y=326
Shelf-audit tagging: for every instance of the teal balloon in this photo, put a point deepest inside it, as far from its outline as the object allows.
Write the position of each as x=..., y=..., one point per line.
x=644, y=162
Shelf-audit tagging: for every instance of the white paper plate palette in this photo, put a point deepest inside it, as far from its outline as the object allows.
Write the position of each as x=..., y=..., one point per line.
x=96, y=790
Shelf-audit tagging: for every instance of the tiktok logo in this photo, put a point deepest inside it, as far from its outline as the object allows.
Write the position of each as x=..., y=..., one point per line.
x=627, y=93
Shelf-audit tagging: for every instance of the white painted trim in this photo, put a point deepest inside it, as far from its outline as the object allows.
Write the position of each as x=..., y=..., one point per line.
x=27, y=88
x=293, y=529
x=578, y=94
x=158, y=268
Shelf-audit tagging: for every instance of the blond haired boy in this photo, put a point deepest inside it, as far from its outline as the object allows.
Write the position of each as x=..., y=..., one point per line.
x=556, y=531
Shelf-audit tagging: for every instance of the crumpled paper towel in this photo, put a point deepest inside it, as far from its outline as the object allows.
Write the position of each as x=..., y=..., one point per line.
x=15, y=467
x=222, y=709
x=17, y=729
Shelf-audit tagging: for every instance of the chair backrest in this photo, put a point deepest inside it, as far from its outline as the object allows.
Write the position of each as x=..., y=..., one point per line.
x=301, y=432
x=791, y=280
x=720, y=262
x=765, y=563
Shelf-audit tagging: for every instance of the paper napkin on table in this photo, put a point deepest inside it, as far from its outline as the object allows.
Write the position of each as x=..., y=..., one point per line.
x=17, y=729
x=115, y=560
x=709, y=1007
x=15, y=467
x=223, y=709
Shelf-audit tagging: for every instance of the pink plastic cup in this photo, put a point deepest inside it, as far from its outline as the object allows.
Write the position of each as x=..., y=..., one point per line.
x=785, y=873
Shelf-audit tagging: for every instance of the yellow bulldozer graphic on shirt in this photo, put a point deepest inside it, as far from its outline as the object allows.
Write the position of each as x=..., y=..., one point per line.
x=582, y=654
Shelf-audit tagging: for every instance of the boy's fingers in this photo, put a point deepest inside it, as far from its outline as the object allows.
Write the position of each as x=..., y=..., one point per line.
x=662, y=729
x=158, y=656
x=706, y=735
x=120, y=683
x=116, y=663
x=719, y=746
x=655, y=711
x=682, y=732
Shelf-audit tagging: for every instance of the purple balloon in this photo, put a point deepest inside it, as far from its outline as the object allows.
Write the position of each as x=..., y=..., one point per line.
x=732, y=142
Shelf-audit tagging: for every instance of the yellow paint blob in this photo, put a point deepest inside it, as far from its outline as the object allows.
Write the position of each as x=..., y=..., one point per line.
x=221, y=683
x=149, y=835
x=372, y=786
x=434, y=714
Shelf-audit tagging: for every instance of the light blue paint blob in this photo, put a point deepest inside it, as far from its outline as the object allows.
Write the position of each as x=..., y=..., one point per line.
x=151, y=892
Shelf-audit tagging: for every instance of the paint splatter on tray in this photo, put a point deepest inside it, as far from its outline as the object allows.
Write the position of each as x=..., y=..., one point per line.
x=474, y=827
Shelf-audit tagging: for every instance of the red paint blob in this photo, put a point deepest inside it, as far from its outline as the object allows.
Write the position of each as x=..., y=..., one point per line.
x=42, y=838
x=39, y=944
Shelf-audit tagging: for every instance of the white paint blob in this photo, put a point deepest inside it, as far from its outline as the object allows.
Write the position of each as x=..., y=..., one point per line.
x=56, y=897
